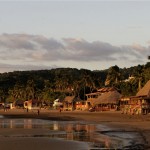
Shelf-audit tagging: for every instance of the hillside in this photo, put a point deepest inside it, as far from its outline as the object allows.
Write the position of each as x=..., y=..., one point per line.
x=47, y=85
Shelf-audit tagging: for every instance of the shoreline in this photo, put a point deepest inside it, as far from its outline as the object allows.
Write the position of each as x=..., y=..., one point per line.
x=115, y=120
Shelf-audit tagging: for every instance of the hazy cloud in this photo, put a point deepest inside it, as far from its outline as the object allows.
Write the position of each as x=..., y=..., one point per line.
x=27, y=47
x=16, y=41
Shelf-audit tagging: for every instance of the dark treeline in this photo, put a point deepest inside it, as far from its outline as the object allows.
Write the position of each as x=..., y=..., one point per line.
x=47, y=85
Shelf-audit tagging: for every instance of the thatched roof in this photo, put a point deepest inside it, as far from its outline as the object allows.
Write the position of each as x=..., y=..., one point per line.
x=70, y=99
x=95, y=93
x=145, y=91
x=102, y=90
x=107, y=89
x=107, y=98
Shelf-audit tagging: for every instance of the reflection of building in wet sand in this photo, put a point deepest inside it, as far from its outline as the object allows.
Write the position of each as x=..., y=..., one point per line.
x=28, y=124
x=56, y=126
x=20, y=123
x=73, y=131
x=12, y=123
x=76, y=131
x=81, y=132
x=70, y=131
x=7, y=124
x=86, y=130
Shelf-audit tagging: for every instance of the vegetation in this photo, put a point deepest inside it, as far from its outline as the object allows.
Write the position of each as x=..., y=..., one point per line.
x=47, y=85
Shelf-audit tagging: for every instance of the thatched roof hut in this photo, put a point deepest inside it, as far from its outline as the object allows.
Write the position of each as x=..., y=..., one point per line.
x=145, y=91
x=110, y=97
x=99, y=92
x=70, y=102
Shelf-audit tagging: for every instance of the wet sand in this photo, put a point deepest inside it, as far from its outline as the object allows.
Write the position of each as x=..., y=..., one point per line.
x=115, y=120
x=29, y=143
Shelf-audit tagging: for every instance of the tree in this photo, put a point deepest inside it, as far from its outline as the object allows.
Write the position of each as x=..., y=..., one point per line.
x=30, y=90
x=113, y=76
x=2, y=96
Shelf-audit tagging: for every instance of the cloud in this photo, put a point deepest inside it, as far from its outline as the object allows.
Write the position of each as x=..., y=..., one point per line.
x=137, y=51
x=16, y=41
x=48, y=44
x=20, y=48
x=82, y=50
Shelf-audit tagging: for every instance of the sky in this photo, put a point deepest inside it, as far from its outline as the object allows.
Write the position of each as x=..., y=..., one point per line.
x=89, y=34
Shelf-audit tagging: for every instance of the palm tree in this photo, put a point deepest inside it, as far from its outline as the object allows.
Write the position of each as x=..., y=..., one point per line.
x=146, y=73
x=58, y=83
x=76, y=88
x=86, y=83
x=17, y=93
x=2, y=95
x=113, y=76
x=30, y=89
x=138, y=72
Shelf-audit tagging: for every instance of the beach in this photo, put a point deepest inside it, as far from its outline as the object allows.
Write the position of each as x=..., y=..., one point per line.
x=113, y=119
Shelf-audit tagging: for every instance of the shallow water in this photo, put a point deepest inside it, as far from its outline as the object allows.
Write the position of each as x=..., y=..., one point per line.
x=96, y=135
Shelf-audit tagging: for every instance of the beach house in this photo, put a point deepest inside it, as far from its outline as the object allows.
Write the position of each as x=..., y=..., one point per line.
x=106, y=98
x=140, y=104
x=74, y=103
